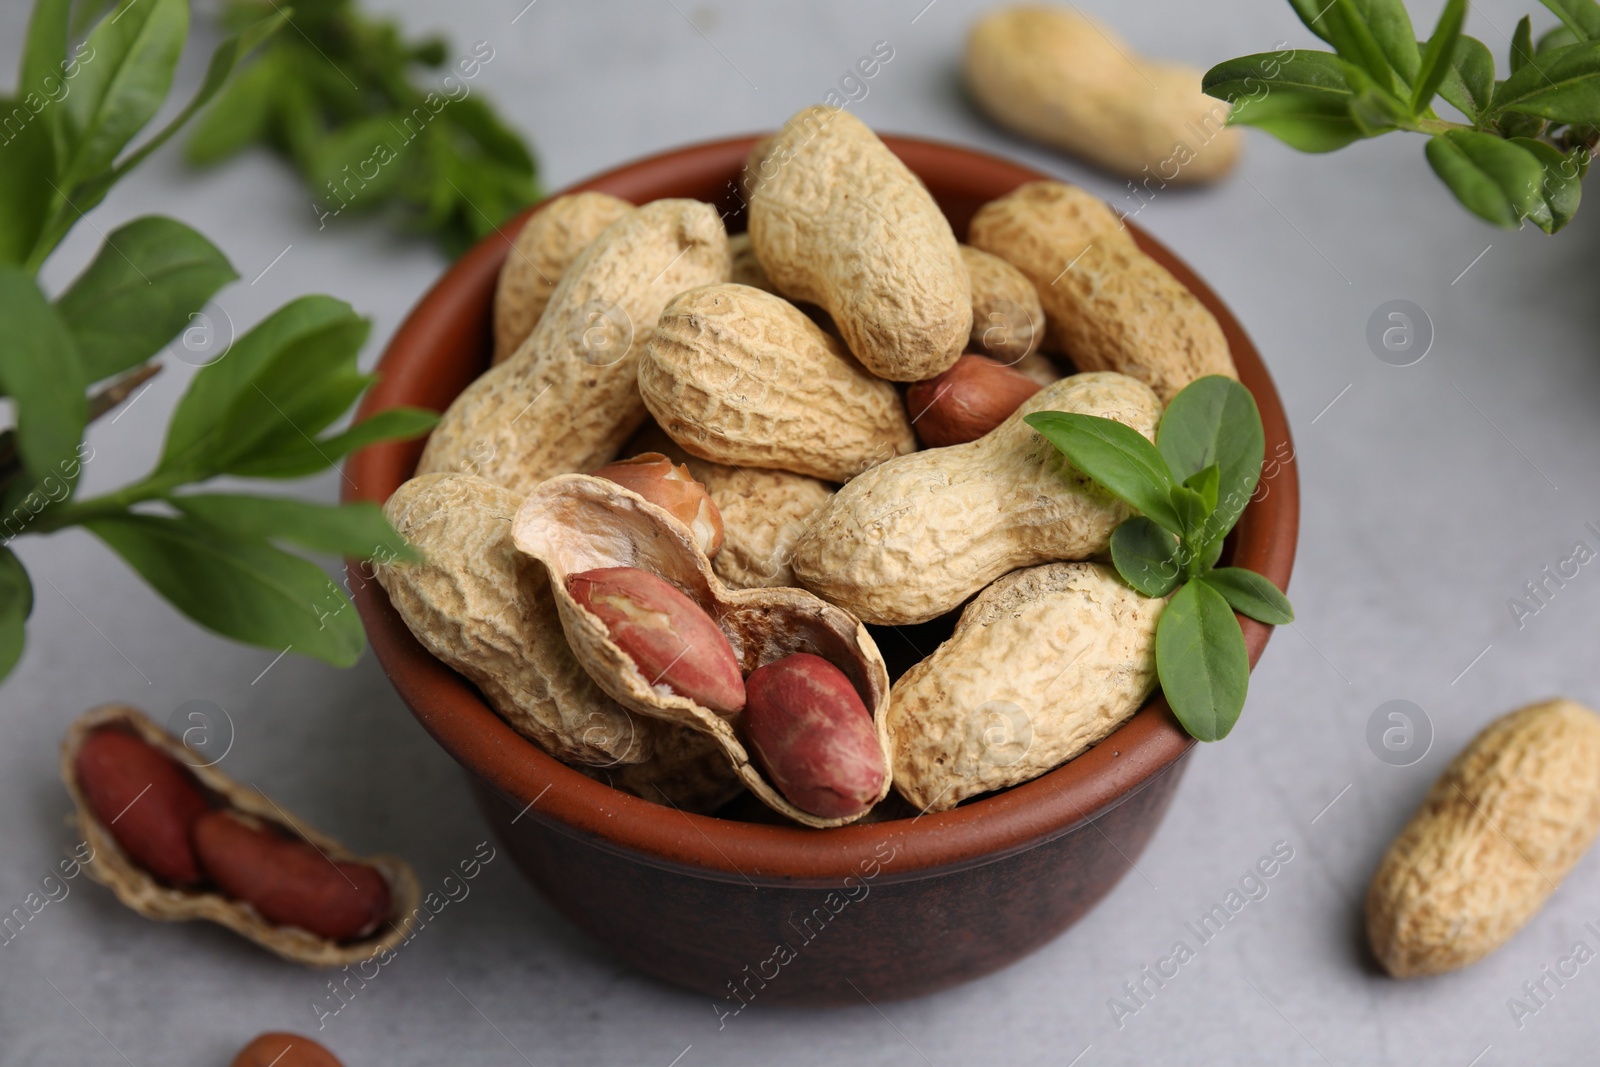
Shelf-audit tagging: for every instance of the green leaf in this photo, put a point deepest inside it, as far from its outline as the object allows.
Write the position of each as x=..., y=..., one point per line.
x=364, y=161
x=1205, y=482
x=1115, y=455
x=39, y=369
x=1354, y=39
x=1391, y=29
x=241, y=587
x=1192, y=512
x=1251, y=594
x=356, y=530
x=1311, y=13
x=16, y=604
x=1214, y=420
x=1436, y=57
x=1146, y=556
x=496, y=138
x=1469, y=83
x=298, y=457
x=200, y=435
x=1202, y=661
x=1375, y=109
x=1563, y=179
x=27, y=168
x=1582, y=17
x=122, y=87
x=239, y=115
x=148, y=279
x=1495, y=179
x=1553, y=38
x=1307, y=122
x=1521, y=45
x=46, y=49
x=1249, y=79
x=1562, y=86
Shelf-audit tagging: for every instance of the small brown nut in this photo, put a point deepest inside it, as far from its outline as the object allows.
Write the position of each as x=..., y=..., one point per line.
x=1056, y=76
x=284, y=1050
x=966, y=401
x=546, y=246
x=1108, y=306
x=1509, y=817
x=915, y=537
x=1007, y=319
x=840, y=222
x=1044, y=663
x=744, y=378
x=569, y=397
x=669, y=637
x=814, y=736
x=673, y=489
x=288, y=880
x=146, y=799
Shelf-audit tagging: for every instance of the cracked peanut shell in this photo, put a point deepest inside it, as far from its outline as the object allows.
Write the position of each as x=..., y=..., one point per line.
x=577, y=523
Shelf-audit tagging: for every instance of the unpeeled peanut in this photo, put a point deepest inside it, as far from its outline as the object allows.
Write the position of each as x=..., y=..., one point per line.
x=1007, y=319
x=744, y=378
x=284, y=1050
x=914, y=537
x=1510, y=816
x=1062, y=78
x=814, y=736
x=672, y=488
x=288, y=880
x=145, y=799
x=747, y=269
x=545, y=247
x=966, y=401
x=569, y=396
x=1108, y=306
x=669, y=637
x=839, y=221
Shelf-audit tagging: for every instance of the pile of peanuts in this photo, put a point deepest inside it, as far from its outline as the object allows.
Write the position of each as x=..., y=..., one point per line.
x=821, y=429
x=176, y=839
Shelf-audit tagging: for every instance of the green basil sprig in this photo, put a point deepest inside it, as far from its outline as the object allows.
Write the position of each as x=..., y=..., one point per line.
x=265, y=409
x=335, y=96
x=1525, y=146
x=1191, y=486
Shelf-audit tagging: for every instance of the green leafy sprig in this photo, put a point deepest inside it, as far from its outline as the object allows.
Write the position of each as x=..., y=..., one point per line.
x=335, y=96
x=1191, y=487
x=1526, y=144
x=261, y=410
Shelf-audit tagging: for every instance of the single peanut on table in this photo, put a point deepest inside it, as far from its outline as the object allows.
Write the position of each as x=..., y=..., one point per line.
x=1510, y=816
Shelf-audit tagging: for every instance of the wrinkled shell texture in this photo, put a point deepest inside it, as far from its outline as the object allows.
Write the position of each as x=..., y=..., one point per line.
x=485, y=609
x=912, y=538
x=569, y=397
x=744, y=378
x=1499, y=830
x=1108, y=305
x=1007, y=318
x=837, y=220
x=578, y=523
x=544, y=249
x=137, y=890
x=1055, y=76
x=1044, y=663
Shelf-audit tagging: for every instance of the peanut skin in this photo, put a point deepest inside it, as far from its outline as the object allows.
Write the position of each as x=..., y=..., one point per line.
x=837, y=220
x=284, y=1050
x=288, y=880
x=146, y=800
x=966, y=401
x=669, y=637
x=672, y=488
x=813, y=736
x=1504, y=824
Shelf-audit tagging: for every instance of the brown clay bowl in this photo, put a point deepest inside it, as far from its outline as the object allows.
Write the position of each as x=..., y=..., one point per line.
x=756, y=913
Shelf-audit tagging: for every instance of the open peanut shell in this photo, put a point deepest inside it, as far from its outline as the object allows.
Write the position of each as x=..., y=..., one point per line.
x=142, y=892
x=576, y=523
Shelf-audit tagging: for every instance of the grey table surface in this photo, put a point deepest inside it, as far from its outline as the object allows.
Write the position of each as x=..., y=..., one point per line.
x=1432, y=494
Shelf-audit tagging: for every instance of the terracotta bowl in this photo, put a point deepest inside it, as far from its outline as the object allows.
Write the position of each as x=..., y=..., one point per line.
x=748, y=912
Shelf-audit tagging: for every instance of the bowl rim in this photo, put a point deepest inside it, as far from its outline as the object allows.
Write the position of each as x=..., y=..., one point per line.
x=978, y=832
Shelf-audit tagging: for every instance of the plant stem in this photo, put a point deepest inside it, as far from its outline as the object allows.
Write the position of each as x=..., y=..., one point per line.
x=99, y=404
